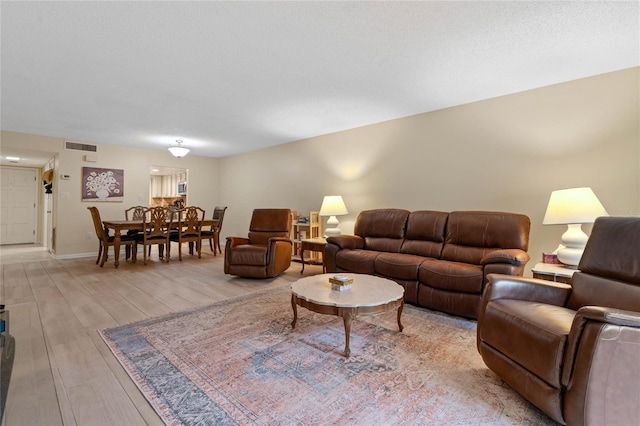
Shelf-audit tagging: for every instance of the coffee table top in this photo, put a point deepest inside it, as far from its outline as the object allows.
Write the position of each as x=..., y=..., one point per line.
x=366, y=290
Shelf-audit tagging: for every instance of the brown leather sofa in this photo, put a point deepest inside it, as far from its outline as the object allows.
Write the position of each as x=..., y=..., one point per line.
x=441, y=259
x=573, y=350
x=266, y=253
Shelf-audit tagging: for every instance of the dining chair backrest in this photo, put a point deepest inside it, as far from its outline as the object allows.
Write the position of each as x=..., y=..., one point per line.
x=190, y=220
x=218, y=216
x=157, y=221
x=101, y=233
x=136, y=213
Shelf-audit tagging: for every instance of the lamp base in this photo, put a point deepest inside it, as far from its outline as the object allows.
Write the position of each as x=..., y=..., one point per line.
x=332, y=227
x=574, y=240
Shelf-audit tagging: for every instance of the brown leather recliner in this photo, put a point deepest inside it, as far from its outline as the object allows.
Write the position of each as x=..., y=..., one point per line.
x=266, y=253
x=572, y=350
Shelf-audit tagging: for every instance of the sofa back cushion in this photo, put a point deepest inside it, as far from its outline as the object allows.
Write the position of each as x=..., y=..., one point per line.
x=382, y=229
x=425, y=233
x=472, y=234
x=610, y=266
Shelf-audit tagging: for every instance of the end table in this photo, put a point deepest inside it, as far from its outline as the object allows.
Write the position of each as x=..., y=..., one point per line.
x=553, y=272
x=312, y=244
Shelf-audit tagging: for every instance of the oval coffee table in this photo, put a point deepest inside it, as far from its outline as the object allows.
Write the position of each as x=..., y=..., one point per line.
x=368, y=295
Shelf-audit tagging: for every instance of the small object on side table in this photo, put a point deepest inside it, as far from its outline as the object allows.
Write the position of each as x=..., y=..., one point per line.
x=340, y=282
x=550, y=258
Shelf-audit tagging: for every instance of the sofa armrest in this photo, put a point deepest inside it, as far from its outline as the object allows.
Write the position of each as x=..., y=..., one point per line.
x=347, y=241
x=510, y=256
x=599, y=337
x=279, y=252
x=277, y=239
x=501, y=286
x=509, y=287
x=236, y=241
x=609, y=315
x=277, y=244
x=599, y=314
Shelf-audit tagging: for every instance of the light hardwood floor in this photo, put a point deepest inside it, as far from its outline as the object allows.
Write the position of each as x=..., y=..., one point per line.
x=63, y=372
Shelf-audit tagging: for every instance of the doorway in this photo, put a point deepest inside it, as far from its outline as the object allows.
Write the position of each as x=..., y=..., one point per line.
x=18, y=205
x=168, y=186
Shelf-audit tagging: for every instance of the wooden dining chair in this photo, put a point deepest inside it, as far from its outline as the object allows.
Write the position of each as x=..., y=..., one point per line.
x=157, y=223
x=134, y=213
x=213, y=235
x=105, y=240
x=188, y=231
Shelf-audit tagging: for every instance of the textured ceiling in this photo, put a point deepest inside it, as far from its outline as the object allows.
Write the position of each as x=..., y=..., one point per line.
x=230, y=77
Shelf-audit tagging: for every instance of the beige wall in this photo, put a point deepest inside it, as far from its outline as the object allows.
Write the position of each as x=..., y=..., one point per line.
x=71, y=218
x=506, y=153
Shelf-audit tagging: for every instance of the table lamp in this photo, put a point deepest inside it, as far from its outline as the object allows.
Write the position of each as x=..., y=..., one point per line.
x=332, y=206
x=573, y=207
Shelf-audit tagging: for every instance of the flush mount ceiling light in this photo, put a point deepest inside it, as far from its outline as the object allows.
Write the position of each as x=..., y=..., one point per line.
x=178, y=150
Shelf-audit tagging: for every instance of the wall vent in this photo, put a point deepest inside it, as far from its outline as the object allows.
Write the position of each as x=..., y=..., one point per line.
x=80, y=146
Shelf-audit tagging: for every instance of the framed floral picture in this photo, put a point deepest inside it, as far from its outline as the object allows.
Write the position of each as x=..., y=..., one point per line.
x=102, y=184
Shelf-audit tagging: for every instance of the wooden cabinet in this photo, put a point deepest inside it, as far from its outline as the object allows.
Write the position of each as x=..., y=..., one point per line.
x=156, y=186
x=304, y=227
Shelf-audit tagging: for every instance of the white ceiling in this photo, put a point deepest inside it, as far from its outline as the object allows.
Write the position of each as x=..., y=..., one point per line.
x=230, y=77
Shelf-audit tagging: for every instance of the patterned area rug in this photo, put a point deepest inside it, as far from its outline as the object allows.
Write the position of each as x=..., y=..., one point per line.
x=239, y=362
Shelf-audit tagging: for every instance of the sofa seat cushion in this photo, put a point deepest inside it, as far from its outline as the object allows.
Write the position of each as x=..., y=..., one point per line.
x=359, y=261
x=398, y=266
x=514, y=327
x=451, y=276
x=248, y=254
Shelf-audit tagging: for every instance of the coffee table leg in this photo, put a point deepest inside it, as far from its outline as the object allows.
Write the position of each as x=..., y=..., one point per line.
x=346, y=317
x=295, y=311
x=400, y=314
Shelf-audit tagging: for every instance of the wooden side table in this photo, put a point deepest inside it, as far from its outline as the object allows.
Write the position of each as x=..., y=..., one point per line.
x=312, y=244
x=553, y=272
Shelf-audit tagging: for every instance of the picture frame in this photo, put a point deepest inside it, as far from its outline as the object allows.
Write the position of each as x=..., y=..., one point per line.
x=100, y=184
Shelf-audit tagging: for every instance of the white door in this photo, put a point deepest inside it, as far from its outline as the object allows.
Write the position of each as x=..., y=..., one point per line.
x=17, y=206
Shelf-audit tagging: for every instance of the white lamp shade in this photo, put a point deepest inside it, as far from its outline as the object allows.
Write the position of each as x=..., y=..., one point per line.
x=574, y=205
x=333, y=205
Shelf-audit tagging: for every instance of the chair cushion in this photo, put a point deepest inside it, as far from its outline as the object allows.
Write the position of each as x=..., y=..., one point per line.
x=398, y=266
x=472, y=234
x=531, y=334
x=451, y=276
x=248, y=254
x=357, y=261
x=382, y=229
x=425, y=233
x=124, y=239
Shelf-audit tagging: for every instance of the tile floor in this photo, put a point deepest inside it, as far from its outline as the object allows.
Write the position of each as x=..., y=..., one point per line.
x=17, y=253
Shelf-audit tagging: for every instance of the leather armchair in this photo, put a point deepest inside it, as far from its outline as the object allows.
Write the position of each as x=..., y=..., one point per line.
x=572, y=350
x=266, y=252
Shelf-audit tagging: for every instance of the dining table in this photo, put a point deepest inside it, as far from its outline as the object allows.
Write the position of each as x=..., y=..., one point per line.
x=134, y=224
